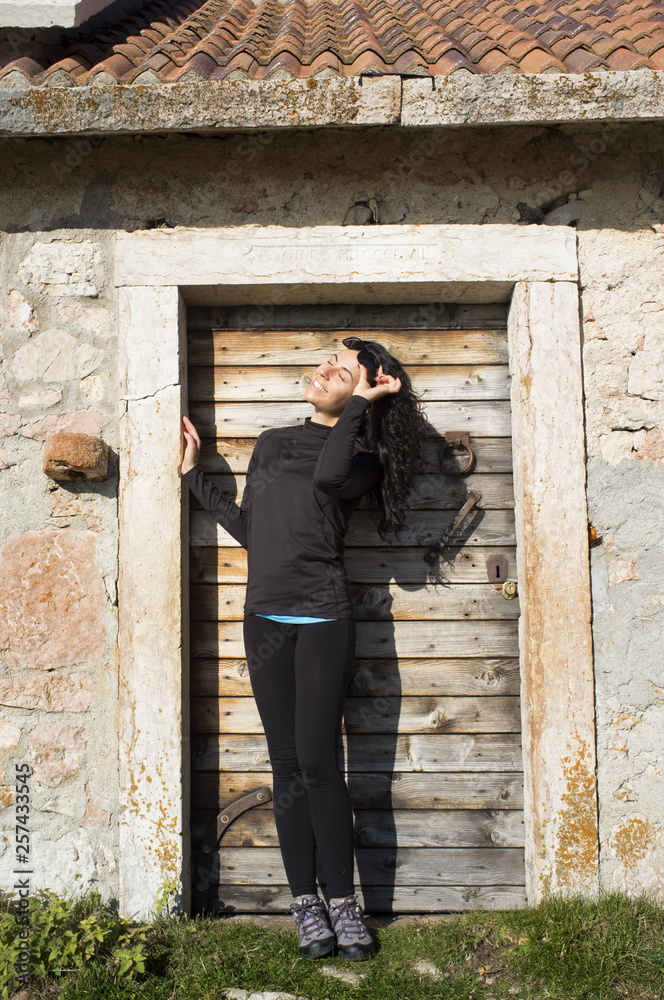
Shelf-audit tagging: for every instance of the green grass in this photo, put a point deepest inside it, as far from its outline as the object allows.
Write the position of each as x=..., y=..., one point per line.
x=612, y=949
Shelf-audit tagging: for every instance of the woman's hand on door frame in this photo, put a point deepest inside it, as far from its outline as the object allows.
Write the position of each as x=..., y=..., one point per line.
x=190, y=446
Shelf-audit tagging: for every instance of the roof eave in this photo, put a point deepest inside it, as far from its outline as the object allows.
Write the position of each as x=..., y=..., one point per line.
x=462, y=99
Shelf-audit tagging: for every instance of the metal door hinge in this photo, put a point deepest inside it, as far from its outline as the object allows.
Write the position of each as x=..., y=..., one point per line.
x=211, y=838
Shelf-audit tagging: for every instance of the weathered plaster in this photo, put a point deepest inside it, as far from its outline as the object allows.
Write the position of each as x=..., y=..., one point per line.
x=626, y=503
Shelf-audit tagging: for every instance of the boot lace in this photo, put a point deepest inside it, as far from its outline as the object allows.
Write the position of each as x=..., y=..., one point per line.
x=309, y=916
x=347, y=919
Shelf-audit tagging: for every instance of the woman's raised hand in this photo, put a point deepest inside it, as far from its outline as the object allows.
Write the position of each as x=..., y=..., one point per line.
x=384, y=384
x=190, y=446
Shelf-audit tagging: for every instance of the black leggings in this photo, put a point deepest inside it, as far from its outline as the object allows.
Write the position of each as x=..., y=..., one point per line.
x=299, y=676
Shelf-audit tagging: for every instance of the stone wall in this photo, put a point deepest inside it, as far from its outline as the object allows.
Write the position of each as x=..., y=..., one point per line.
x=58, y=559
x=60, y=204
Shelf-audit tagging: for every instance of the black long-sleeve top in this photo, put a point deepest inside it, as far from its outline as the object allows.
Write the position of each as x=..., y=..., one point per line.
x=302, y=484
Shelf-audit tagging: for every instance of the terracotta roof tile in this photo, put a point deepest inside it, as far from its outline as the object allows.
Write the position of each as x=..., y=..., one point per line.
x=496, y=61
x=539, y=61
x=214, y=39
x=580, y=61
x=624, y=58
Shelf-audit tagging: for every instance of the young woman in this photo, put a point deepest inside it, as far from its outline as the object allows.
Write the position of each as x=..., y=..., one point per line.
x=365, y=436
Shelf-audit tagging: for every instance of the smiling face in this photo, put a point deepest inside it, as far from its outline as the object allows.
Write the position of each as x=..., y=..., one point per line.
x=334, y=382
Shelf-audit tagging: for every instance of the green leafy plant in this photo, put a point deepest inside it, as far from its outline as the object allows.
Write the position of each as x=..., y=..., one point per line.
x=166, y=890
x=68, y=934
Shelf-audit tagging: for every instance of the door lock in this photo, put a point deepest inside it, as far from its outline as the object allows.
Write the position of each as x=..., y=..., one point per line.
x=496, y=569
x=510, y=590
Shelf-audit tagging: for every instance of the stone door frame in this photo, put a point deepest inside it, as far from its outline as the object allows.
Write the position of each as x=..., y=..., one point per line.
x=535, y=268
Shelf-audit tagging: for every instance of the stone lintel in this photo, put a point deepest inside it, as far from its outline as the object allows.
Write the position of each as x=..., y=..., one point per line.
x=533, y=98
x=461, y=99
x=327, y=256
x=201, y=107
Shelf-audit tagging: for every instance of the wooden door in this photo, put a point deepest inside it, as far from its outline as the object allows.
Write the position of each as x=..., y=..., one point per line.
x=431, y=746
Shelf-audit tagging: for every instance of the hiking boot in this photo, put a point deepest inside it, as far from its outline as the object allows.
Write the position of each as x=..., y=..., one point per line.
x=354, y=941
x=315, y=936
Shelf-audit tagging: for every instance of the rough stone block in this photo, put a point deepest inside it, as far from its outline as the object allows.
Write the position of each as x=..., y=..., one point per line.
x=9, y=734
x=616, y=446
x=80, y=422
x=64, y=504
x=652, y=449
x=19, y=316
x=64, y=267
x=55, y=356
x=646, y=375
x=91, y=318
x=52, y=600
x=46, y=398
x=94, y=810
x=621, y=570
x=57, y=751
x=94, y=386
x=9, y=424
x=50, y=693
x=68, y=457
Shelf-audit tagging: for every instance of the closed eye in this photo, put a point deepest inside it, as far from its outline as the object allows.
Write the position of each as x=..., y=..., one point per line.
x=331, y=362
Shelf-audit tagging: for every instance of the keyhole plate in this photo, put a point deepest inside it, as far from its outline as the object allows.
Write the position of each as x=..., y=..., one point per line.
x=496, y=568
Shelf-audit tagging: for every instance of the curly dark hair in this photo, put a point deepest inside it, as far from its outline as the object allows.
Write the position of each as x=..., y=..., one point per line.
x=396, y=428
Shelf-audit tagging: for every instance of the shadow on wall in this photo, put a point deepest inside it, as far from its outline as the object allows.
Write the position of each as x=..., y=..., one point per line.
x=532, y=175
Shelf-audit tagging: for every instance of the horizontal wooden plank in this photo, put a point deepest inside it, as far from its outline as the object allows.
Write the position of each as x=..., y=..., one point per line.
x=380, y=865
x=490, y=676
x=376, y=899
x=408, y=714
x=364, y=752
x=384, y=639
x=499, y=752
x=274, y=382
x=460, y=564
x=281, y=347
x=226, y=455
x=429, y=492
x=422, y=527
x=380, y=790
x=351, y=317
x=470, y=601
x=376, y=828
x=479, y=417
